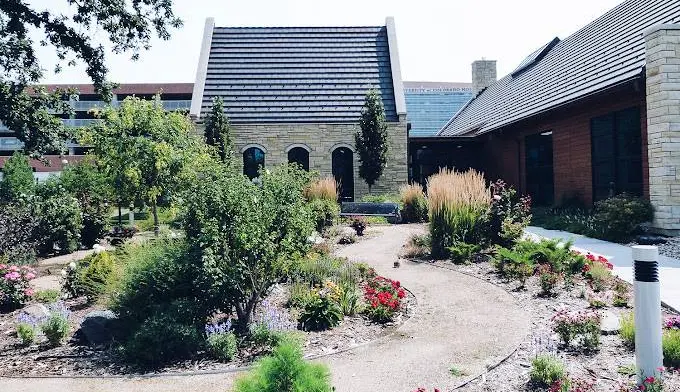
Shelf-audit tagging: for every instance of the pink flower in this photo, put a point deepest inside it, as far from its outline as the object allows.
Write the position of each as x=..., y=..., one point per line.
x=12, y=276
x=29, y=292
x=14, y=268
x=30, y=276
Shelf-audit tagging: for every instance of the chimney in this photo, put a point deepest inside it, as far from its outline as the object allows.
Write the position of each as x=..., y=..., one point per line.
x=483, y=75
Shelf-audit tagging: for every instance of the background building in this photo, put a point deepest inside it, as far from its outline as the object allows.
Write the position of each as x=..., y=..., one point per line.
x=430, y=105
x=174, y=96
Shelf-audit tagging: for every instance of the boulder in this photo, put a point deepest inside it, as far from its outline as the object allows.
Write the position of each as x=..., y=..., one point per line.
x=610, y=323
x=98, y=328
x=37, y=311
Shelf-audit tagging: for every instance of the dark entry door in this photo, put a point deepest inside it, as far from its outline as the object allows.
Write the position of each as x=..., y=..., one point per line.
x=539, y=168
x=616, y=142
x=343, y=171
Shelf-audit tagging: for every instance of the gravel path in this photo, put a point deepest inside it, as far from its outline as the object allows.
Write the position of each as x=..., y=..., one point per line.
x=459, y=322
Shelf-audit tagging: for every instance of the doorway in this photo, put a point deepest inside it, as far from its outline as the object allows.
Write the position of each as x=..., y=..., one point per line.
x=343, y=171
x=539, y=168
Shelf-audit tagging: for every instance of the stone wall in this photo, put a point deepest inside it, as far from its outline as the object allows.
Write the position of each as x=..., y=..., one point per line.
x=321, y=140
x=663, y=124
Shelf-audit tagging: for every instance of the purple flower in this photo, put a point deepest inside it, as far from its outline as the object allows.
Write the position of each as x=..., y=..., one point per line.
x=218, y=329
x=270, y=316
x=25, y=318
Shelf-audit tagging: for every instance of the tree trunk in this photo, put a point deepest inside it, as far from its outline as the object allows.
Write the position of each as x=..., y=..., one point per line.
x=156, y=225
x=120, y=215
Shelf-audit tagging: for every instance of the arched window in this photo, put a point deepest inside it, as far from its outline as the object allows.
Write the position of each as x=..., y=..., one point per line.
x=300, y=156
x=253, y=160
x=343, y=171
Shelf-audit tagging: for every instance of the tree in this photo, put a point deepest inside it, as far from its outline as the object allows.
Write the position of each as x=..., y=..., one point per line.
x=371, y=141
x=144, y=148
x=128, y=25
x=17, y=178
x=218, y=131
x=246, y=234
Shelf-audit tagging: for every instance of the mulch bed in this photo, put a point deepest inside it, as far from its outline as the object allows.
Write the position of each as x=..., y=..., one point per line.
x=513, y=374
x=72, y=359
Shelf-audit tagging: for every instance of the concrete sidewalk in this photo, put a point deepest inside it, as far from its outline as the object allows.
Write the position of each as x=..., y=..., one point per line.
x=621, y=257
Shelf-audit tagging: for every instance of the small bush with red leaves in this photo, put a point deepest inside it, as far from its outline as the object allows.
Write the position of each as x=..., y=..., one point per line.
x=384, y=298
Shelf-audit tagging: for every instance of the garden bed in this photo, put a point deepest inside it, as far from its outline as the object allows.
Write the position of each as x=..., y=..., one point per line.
x=602, y=366
x=73, y=359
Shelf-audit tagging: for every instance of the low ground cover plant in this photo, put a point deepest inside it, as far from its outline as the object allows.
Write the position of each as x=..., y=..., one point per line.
x=545, y=371
x=221, y=341
x=27, y=328
x=56, y=326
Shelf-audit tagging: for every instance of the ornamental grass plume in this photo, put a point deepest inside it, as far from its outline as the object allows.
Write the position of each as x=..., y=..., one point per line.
x=323, y=189
x=414, y=203
x=457, y=203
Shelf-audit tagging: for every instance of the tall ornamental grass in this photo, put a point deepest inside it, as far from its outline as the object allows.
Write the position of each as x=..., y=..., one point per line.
x=458, y=202
x=414, y=203
x=322, y=189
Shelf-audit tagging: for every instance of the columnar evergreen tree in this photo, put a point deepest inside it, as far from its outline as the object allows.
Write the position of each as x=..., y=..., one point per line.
x=17, y=178
x=218, y=130
x=74, y=29
x=371, y=141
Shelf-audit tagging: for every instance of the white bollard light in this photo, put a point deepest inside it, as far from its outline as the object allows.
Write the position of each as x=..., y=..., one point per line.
x=131, y=215
x=648, y=354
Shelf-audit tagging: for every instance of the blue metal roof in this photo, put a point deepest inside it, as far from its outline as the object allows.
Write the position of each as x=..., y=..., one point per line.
x=298, y=74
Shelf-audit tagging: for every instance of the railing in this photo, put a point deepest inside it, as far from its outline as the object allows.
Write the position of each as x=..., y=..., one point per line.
x=175, y=105
x=10, y=143
x=80, y=122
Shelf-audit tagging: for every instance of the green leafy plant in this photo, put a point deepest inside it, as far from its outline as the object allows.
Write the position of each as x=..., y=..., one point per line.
x=513, y=265
x=60, y=219
x=358, y=223
x=461, y=252
x=218, y=131
x=620, y=215
x=47, y=296
x=300, y=295
x=221, y=341
x=599, y=277
x=508, y=215
x=15, y=289
x=17, y=178
x=26, y=333
x=627, y=329
x=621, y=296
x=285, y=370
x=321, y=313
x=548, y=279
x=671, y=348
x=349, y=300
x=325, y=213
x=457, y=372
x=18, y=232
x=88, y=277
x=545, y=370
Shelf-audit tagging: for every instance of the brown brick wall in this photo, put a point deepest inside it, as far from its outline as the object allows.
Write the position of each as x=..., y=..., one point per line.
x=571, y=142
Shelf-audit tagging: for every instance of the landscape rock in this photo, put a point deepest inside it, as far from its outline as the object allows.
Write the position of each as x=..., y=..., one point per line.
x=610, y=323
x=37, y=311
x=97, y=328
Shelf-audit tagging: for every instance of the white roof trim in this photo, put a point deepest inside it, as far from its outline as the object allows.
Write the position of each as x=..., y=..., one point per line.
x=202, y=70
x=399, y=99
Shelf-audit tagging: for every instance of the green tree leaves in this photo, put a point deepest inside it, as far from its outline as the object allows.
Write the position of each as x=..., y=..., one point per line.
x=371, y=141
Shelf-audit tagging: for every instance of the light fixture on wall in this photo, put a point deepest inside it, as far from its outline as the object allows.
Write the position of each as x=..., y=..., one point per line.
x=546, y=133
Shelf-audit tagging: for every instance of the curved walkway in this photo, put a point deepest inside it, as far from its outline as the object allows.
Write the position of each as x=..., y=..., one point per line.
x=459, y=322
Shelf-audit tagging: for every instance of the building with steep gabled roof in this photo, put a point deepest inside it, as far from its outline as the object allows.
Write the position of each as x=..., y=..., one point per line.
x=294, y=94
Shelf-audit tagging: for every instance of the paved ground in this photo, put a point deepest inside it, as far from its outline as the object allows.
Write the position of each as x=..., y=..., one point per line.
x=460, y=321
x=621, y=257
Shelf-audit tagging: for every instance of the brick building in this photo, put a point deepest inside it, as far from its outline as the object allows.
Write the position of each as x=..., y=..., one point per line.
x=595, y=114
x=174, y=96
x=294, y=94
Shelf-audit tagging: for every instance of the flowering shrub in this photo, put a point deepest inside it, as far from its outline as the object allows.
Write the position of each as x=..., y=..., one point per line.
x=15, y=289
x=508, y=215
x=358, y=223
x=598, y=300
x=621, y=296
x=221, y=341
x=582, y=326
x=548, y=278
x=597, y=270
x=572, y=385
x=384, y=297
x=89, y=276
x=672, y=322
x=647, y=384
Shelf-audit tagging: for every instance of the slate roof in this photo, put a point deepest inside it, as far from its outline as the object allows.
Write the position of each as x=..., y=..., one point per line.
x=607, y=52
x=298, y=74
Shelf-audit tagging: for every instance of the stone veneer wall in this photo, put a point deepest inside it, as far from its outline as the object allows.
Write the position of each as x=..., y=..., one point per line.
x=322, y=139
x=663, y=125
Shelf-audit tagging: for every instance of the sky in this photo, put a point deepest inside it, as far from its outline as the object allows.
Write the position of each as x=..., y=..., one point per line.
x=438, y=39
